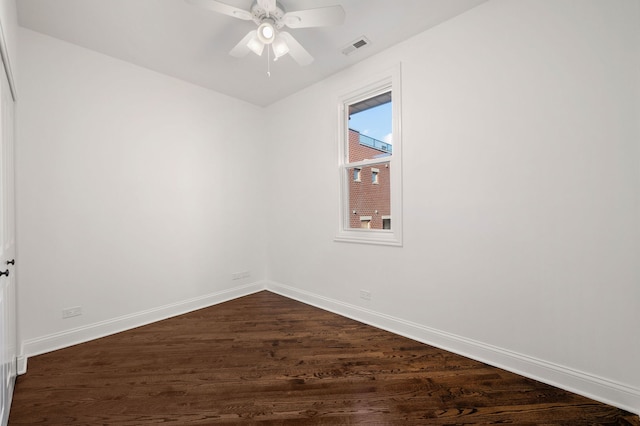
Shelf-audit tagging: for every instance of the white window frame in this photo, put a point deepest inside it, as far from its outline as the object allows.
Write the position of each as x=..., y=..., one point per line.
x=380, y=83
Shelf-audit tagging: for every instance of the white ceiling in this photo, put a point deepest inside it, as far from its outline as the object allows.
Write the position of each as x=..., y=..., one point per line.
x=192, y=44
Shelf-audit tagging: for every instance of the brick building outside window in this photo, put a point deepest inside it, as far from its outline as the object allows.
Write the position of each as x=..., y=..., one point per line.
x=369, y=186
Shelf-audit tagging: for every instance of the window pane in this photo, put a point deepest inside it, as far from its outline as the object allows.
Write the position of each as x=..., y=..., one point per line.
x=369, y=199
x=370, y=128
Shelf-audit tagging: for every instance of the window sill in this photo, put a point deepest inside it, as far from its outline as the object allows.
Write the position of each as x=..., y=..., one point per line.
x=376, y=237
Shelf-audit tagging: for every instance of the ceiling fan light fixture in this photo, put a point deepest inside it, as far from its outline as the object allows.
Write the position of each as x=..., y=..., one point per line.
x=266, y=33
x=255, y=45
x=280, y=47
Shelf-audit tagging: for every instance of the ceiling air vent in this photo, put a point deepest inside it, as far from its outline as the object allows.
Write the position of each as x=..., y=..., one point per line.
x=355, y=45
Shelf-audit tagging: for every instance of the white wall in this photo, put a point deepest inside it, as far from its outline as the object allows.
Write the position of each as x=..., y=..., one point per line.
x=136, y=191
x=521, y=193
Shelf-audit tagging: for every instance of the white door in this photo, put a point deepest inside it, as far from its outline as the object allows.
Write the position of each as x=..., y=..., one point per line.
x=8, y=348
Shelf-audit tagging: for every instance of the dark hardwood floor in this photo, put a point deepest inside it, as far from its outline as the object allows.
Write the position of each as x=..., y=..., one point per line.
x=266, y=358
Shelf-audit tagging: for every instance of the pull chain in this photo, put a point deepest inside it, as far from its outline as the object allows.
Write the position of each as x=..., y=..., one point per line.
x=268, y=61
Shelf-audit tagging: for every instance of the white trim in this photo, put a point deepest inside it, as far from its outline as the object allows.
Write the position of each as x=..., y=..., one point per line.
x=21, y=365
x=4, y=55
x=368, y=162
x=365, y=218
x=378, y=83
x=63, y=339
x=6, y=412
x=370, y=236
x=6, y=63
x=589, y=385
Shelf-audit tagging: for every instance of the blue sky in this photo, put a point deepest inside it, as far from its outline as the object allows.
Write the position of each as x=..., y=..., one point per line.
x=374, y=122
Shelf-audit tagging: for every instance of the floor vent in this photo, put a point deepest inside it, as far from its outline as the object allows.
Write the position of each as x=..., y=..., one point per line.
x=355, y=45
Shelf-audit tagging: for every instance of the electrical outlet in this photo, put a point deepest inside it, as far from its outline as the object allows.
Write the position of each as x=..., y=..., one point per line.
x=240, y=275
x=365, y=294
x=72, y=312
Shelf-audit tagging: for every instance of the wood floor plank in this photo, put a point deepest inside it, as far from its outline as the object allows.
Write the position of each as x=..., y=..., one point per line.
x=271, y=360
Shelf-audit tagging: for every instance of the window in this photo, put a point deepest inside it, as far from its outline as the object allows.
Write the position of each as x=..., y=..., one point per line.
x=386, y=222
x=374, y=176
x=365, y=222
x=370, y=145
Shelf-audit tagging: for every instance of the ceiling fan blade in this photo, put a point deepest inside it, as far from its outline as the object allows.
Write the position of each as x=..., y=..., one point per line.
x=297, y=52
x=320, y=17
x=269, y=6
x=225, y=9
x=246, y=45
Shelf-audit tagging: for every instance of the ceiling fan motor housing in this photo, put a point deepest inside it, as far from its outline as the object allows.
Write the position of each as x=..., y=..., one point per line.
x=260, y=15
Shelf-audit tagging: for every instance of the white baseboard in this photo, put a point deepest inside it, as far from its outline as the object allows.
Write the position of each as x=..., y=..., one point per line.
x=21, y=365
x=52, y=342
x=591, y=386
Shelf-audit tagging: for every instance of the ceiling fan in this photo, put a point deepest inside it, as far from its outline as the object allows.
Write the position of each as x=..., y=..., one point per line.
x=271, y=17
